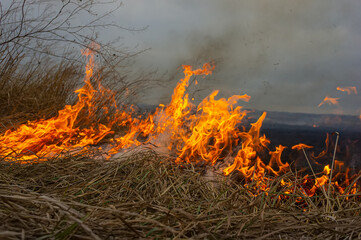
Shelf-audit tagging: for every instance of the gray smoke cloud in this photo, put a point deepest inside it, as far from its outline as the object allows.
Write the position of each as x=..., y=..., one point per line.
x=288, y=55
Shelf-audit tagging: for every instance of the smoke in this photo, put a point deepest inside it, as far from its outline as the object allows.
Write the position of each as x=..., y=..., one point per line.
x=288, y=55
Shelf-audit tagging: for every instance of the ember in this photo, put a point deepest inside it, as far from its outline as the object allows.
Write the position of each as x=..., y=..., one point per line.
x=349, y=90
x=329, y=100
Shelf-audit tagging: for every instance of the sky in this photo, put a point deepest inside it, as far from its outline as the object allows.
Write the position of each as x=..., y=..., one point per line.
x=287, y=55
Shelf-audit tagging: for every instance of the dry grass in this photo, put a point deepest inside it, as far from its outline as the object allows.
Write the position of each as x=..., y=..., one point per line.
x=32, y=91
x=146, y=195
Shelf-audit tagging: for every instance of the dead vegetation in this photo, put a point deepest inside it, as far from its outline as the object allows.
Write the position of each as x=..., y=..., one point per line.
x=36, y=93
x=146, y=195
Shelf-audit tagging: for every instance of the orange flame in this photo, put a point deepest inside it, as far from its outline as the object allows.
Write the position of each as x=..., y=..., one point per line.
x=327, y=169
x=301, y=146
x=44, y=138
x=211, y=132
x=349, y=90
x=329, y=100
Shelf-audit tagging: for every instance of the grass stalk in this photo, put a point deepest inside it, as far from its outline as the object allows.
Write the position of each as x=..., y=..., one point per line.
x=328, y=207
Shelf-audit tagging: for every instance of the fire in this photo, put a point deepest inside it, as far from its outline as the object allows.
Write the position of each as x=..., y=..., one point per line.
x=170, y=119
x=301, y=146
x=349, y=90
x=247, y=160
x=45, y=138
x=329, y=100
x=327, y=169
x=214, y=132
x=213, y=129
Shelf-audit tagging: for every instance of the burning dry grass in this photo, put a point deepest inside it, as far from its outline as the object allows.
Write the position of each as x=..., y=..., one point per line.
x=144, y=194
x=66, y=189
